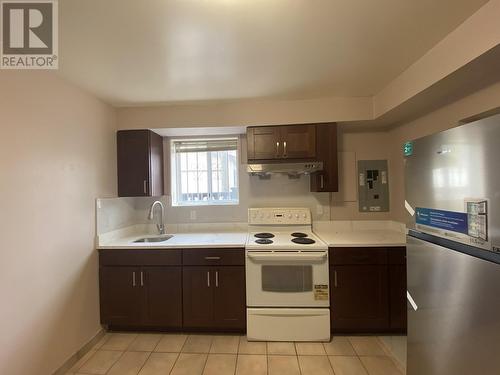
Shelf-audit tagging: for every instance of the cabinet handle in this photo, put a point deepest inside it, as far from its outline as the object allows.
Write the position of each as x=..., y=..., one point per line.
x=208, y=279
x=145, y=187
x=335, y=279
x=216, y=279
x=142, y=278
x=284, y=149
x=277, y=149
x=212, y=258
x=322, y=181
x=133, y=279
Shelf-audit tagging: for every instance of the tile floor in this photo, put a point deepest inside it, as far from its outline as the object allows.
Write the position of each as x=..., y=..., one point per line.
x=183, y=354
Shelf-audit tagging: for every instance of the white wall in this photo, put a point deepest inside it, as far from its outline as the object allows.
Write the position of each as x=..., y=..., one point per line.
x=57, y=154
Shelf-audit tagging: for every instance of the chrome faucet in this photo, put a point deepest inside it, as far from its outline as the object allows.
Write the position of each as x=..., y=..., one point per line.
x=161, y=226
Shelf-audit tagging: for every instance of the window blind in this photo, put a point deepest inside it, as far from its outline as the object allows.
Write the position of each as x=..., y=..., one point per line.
x=205, y=145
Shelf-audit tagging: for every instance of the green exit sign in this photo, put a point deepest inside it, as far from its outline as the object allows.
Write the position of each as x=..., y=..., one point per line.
x=408, y=148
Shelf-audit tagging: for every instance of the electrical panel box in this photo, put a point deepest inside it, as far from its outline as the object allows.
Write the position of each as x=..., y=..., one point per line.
x=373, y=186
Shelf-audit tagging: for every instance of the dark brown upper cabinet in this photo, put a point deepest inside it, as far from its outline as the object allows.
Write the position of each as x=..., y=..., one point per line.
x=326, y=180
x=273, y=143
x=288, y=143
x=140, y=163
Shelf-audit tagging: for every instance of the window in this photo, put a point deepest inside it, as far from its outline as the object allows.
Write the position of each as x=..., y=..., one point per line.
x=204, y=171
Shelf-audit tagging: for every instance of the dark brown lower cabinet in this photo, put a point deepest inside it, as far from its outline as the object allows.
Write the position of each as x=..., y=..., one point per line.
x=368, y=290
x=198, y=299
x=121, y=299
x=230, y=298
x=397, y=298
x=163, y=288
x=141, y=296
x=214, y=297
x=360, y=300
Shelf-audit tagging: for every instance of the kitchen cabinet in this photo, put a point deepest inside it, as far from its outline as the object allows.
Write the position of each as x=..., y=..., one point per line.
x=213, y=297
x=198, y=299
x=163, y=290
x=272, y=143
x=368, y=290
x=121, y=298
x=230, y=298
x=139, y=163
x=326, y=180
x=359, y=298
x=175, y=288
x=295, y=143
x=263, y=143
x=397, y=290
x=214, y=289
x=148, y=294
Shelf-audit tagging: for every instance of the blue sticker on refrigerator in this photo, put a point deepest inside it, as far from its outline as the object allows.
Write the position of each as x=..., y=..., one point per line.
x=470, y=227
x=440, y=219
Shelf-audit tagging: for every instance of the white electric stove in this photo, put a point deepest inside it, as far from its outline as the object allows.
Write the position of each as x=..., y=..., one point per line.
x=287, y=281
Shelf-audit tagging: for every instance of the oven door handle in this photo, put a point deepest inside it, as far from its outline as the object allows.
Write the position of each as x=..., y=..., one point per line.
x=287, y=257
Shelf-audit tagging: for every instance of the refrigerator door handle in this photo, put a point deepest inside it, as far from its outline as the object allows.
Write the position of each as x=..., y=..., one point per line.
x=411, y=300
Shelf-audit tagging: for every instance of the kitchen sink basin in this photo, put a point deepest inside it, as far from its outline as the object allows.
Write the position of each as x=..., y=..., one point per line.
x=162, y=238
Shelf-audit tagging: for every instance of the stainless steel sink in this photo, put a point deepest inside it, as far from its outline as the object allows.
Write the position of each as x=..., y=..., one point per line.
x=162, y=238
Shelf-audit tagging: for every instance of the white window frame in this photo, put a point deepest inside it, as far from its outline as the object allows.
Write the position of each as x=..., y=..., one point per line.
x=175, y=174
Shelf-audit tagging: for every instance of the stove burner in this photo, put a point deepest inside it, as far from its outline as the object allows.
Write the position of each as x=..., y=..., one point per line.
x=264, y=235
x=264, y=241
x=299, y=234
x=303, y=240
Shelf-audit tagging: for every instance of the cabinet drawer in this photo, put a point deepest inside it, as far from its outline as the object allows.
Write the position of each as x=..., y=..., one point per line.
x=151, y=257
x=396, y=255
x=358, y=255
x=208, y=257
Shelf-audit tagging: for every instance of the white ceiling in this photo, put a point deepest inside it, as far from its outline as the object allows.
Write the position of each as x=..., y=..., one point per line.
x=131, y=52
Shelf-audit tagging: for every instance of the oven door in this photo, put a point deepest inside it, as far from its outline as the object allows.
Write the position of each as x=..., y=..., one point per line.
x=287, y=278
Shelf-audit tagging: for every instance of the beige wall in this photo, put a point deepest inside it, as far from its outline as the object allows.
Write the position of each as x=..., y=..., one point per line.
x=474, y=37
x=441, y=119
x=245, y=112
x=360, y=146
x=57, y=154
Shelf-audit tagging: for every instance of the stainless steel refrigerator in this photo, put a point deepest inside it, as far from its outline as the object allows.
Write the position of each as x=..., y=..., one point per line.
x=452, y=196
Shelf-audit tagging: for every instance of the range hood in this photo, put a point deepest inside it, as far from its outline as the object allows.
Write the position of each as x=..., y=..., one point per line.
x=290, y=169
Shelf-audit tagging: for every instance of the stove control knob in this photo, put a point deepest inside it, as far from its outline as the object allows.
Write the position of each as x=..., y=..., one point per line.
x=289, y=216
x=297, y=216
x=305, y=215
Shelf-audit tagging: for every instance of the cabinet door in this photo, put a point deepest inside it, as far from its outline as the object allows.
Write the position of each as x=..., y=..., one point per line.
x=229, y=297
x=197, y=291
x=263, y=143
x=163, y=288
x=133, y=163
x=359, y=298
x=121, y=296
x=326, y=151
x=299, y=141
x=155, y=185
x=397, y=297
x=140, y=163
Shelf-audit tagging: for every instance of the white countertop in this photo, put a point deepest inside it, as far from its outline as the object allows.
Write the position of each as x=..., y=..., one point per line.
x=124, y=239
x=333, y=233
x=361, y=233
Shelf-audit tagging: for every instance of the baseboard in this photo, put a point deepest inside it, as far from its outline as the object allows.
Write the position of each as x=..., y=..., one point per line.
x=70, y=362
